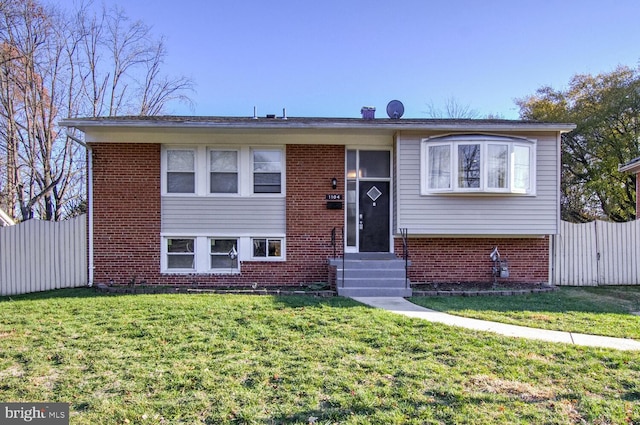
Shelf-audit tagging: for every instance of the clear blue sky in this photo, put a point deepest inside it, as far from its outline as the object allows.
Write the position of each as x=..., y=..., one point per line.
x=328, y=58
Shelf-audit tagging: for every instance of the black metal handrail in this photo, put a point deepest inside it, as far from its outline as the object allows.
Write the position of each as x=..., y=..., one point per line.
x=333, y=241
x=405, y=255
x=334, y=245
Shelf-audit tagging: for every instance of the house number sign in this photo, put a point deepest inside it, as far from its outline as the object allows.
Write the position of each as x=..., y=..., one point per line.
x=334, y=197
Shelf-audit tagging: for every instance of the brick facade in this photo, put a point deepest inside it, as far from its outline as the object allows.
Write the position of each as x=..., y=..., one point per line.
x=126, y=212
x=126, y=208
x=127, y=223
x=466, y=260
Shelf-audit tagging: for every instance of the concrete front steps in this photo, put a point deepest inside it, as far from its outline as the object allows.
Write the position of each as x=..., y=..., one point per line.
x=371, y=275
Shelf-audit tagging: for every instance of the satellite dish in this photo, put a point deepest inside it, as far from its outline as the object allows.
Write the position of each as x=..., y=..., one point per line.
x=395, y=109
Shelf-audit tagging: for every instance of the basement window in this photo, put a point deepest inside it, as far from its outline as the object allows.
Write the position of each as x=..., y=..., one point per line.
x=181, y=254
x=223, y=254
x=267, y=248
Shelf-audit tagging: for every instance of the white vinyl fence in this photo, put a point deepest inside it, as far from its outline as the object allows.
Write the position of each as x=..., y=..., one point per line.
x=42, y=255
x=597, y=253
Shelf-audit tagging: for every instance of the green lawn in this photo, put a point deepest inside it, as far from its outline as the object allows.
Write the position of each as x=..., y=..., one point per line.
x=592, y=310
x=194, y=359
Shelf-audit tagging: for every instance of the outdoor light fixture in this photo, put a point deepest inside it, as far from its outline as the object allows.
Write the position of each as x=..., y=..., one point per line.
x=334, y=183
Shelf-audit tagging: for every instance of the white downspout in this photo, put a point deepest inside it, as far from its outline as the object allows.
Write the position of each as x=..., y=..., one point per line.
x=90, y=211
x=89, y=152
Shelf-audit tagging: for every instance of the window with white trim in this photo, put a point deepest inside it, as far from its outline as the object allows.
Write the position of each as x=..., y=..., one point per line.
x=181, y=254
x=267, y=248
x=478, y=164
x=223, y=171
x=181, y=171
x=223, y=254
x=267, y=171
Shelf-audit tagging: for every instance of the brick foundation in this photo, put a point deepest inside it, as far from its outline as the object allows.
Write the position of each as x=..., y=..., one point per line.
x=466, y=260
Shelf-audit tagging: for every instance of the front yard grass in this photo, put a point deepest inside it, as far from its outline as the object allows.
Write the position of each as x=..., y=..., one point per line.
x=603, y=310
x=211, y=359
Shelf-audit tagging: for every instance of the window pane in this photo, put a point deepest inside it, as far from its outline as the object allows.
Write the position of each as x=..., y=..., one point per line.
x=259, y=247
x=267, y=161
x=274, y=248
x=180, y=245
x=181, y=182
x=469, y=166
x=180, y=160
x=521, y=168
x=375, y=164
x=223, y=246
x=266, y=183
x=180, y=261
x=223, y=262
x=497, y=166
x=439, y=167
x=180, y=253
x=224, y=253
x=351, y=213
x=224, y=183
x=351, y=164
x=224, y=161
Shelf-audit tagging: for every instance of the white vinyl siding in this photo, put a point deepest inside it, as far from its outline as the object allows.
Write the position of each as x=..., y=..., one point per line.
x=238, y=215
x=474, y=213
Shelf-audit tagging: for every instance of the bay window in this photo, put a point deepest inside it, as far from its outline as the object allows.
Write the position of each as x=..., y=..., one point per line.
x=478, y=164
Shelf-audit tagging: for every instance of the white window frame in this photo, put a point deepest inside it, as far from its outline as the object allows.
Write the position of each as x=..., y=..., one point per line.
x=238, y=171
x=483, y=141
x=282, y=255
x=166, y=254
x=203, y=170
x=282, y=170
x=165, y=170
x=219, y=270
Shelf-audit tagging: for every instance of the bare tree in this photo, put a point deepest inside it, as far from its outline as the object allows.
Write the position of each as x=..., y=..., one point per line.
x=55, y=66
x=452, y=109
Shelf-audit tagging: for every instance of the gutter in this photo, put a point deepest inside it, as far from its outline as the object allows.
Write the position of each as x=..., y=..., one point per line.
x=91, y=266
x=317, y=124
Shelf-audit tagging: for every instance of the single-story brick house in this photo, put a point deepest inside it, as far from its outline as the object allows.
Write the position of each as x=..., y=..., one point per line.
x=231, y=201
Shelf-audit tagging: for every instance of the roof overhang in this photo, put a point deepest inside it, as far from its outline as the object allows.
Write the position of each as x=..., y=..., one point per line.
x=284, y=124
x=632, y=166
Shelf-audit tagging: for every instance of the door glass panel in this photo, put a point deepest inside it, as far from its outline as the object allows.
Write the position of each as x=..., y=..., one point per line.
x=351, y=213
x=375, y=164
x=351, y=164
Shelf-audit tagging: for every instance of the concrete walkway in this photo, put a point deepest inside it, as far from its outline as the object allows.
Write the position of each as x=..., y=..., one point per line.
x=404, y=307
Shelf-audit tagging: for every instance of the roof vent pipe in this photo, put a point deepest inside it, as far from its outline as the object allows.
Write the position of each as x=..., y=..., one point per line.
x=284, y=113
x=255, y=113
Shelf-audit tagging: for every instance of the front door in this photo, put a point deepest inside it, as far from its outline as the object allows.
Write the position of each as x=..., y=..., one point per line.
x=374, y=216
